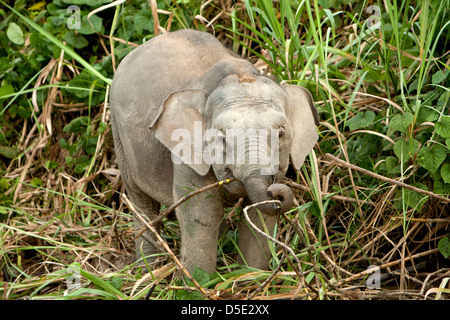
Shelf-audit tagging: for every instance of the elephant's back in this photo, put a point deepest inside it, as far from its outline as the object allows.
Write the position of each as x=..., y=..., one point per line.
x=167, y=63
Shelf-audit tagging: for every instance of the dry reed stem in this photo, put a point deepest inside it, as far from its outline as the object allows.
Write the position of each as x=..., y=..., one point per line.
x=343, y=163
x=45, y=117
x=154, y=8
x=324, y=194
x=268, y=280
x=168, y=210
x=41, y=79
x=322, y=252
x=386, y=265
x=41, y=144
x=132, y=44
x=257, y=230
x=305, y=241
x=424, y=220
x=268, y=237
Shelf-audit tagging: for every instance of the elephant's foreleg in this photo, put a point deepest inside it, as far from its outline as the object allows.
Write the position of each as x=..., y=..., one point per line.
x=200, y=219
x=199, y=223
x=146, y=243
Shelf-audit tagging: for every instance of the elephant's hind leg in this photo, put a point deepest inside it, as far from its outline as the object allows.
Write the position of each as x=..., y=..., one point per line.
x=147, y=246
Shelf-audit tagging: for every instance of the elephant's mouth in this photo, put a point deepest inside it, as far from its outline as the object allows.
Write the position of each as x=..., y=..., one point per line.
x=235, y=187
x=228, y=173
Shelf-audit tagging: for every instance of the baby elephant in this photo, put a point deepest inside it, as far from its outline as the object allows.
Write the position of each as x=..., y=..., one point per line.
x=187, y=112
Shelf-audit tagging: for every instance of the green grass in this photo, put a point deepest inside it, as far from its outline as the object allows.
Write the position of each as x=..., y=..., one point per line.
x=382, y=94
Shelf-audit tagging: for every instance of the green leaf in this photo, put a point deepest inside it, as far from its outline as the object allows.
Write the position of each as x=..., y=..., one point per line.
x=51, y=165
x=91, y=144
x=23, y=113
x=36, y=182
x=427, y=114
x=431, y=159
x=63, y=143
x=444, y=246
x=5, y=90
x=361, y=120
x=4, y=211
x=69, y=161
x=392, y=165
x=445, y=172
x=116, y=282
x=101, y=127
x=60, y=44
x=442, y=127
x=102, y=285
x=402, y=122
x=201, y=277
x=415, y=199
x=143, y=20
x=9, y=152
x=77, y=125
x=372, y=75
x=439, y=76
x=406, y=149
x=4, y=185
x=440, y=187
x=82, y=164
x=15, y=34
x=87, y=28
x=76, y=40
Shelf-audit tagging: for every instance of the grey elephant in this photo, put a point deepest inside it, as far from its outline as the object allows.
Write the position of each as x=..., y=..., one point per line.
x=166, y=95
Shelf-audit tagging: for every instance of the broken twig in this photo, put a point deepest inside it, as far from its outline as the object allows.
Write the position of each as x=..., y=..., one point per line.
x=343, y=163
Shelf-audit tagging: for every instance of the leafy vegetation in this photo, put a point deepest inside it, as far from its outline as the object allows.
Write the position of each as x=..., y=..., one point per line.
x=374, y=191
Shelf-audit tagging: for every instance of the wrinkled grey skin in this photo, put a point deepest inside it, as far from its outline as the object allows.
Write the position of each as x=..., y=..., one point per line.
x=186, y=76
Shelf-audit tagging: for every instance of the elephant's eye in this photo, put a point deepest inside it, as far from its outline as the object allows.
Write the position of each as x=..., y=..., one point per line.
x=222, y=141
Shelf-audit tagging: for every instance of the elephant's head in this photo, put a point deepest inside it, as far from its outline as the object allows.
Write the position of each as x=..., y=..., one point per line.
x=247, y=128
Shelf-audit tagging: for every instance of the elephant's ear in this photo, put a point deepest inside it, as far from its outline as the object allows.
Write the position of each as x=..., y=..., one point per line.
x=304, y=118
x=179, y=126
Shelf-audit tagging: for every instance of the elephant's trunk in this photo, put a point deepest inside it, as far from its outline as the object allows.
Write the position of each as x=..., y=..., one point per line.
x=258, y=191
x=282, y=193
